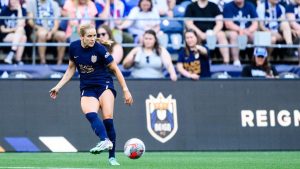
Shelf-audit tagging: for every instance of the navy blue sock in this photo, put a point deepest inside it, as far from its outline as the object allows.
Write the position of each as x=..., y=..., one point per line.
x=97, y=125
x=109, y=125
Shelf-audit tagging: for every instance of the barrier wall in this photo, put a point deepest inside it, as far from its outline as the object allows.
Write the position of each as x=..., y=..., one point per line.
x=185, y=115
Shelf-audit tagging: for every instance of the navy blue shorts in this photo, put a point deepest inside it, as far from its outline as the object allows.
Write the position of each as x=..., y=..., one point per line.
x=96, y=91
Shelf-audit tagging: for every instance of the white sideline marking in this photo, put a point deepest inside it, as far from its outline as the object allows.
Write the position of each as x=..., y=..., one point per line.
x=42, y=168
x=58, y=144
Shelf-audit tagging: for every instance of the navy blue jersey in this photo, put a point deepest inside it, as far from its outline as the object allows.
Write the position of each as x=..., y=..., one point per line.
x=198, y=64
x=294, y=9
x=91, y=64
x=12, y=21
x=248, y=11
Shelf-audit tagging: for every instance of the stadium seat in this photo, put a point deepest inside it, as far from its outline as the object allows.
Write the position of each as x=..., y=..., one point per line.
x=56, y=75
x=20, y=75
x=221, y=75
x=288, y=75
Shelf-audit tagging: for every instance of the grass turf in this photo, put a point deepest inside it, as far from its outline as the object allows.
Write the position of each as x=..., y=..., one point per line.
x=154, y=160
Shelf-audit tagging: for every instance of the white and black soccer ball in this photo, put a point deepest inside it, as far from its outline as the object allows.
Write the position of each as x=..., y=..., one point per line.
x=134, y=148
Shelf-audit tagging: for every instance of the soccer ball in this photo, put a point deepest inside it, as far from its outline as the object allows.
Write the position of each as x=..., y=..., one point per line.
x=134, y=148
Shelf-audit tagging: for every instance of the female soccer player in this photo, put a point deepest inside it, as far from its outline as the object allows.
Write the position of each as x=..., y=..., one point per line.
x=96, y=84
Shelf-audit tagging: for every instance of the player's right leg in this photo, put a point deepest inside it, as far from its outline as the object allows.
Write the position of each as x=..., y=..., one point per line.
x=90, y=106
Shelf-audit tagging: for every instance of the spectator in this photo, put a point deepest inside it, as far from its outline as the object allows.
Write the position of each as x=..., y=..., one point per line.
x=115, y=49
x=241, y=11
x=12, y=30
x=83, y=10
x=292, y=13
x=114, y=9
x=260, y=66
x=279, y=29
x=193, y=60
x=149, y=59
x=206, y=9
x=46, y=29
x=142, y=18
x=111, y=9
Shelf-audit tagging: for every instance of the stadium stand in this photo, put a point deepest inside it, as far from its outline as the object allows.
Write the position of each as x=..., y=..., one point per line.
x=284, y=62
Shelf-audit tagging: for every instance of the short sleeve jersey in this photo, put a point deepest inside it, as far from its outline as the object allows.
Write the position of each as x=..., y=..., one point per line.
x=12, y=22
x=198, y=64
x=248, y=11
x=91, y=64
x=266, y=12
x=43, y=9
x=210, y=11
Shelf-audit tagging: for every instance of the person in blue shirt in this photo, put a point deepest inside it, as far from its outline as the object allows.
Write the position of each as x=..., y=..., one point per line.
x=193, y=60
x=94, y=64
x=240, y=10
x=260, y=66
x=293, y=14
x=12, y=30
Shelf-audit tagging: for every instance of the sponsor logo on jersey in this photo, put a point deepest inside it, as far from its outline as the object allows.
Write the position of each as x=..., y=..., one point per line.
x=161, y=116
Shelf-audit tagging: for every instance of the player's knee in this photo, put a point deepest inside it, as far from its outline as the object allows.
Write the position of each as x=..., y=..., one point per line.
x=107, y=116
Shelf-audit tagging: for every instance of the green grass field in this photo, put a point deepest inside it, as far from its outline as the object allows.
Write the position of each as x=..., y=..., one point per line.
x=154, y=160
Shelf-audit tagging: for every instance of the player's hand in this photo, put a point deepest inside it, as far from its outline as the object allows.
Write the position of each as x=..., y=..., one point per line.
x=127, y=97
x=54, y=92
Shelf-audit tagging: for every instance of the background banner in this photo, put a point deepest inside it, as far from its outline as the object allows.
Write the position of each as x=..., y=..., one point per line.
x=210, y=115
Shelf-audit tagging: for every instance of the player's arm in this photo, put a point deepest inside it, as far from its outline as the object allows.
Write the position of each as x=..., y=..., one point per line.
x=67, y=77
x=127, y=95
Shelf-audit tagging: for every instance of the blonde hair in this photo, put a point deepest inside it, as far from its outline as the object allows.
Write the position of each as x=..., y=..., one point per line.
x=82, y=31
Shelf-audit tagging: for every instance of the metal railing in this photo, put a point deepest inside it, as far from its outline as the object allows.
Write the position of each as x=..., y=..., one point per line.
x=35, y=44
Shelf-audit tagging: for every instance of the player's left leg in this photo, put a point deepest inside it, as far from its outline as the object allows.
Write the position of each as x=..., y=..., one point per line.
x=107, y=106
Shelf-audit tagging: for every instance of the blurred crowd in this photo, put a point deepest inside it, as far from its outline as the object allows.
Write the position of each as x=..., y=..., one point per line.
x=156, y=30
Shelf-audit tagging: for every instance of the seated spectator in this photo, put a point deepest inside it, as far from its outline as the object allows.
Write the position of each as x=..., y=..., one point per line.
x=292, y=13
x=46, y=29
x=279, y=29
x=149, y=60
x=260, y=66
x=81, y=12
x=206, y=9
x=12, y=30
x=115, y=49
x=114, y=9
x=111, y=9
x=142, y=18
x=193, y=60
x=239, y=10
